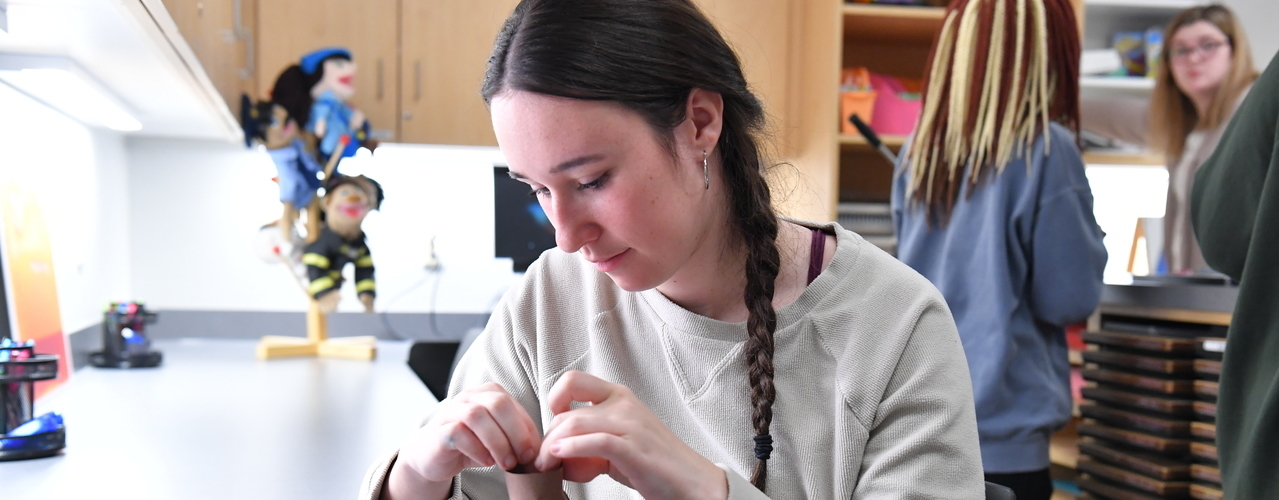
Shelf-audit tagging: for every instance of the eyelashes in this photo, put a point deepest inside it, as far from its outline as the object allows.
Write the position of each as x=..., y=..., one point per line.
x=598, y=183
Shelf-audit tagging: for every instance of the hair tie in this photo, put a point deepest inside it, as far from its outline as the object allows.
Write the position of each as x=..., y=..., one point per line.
x=763, y=446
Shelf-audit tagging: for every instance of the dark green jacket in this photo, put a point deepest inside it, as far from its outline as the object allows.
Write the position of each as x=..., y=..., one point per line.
x=1235, y=210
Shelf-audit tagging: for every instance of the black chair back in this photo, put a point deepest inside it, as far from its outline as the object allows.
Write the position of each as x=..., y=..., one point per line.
x=999, y=492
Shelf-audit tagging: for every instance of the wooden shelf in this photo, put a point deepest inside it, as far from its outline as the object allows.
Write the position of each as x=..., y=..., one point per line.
x=892, y=23
x=1150, y=159
x=1128, y=83
x=1174, y=5
x=892, y=141
x=1063, y=448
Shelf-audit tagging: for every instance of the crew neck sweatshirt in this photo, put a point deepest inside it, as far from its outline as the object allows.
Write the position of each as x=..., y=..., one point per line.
x=1020, y=258
x=873, y=398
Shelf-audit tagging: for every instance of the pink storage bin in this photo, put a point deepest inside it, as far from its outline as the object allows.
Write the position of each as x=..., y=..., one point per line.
x=894, y=115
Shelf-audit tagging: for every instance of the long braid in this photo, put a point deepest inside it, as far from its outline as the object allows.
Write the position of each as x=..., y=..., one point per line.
x=757, y=225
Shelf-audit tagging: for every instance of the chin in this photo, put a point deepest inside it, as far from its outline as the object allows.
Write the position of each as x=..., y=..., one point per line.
x=631, y=282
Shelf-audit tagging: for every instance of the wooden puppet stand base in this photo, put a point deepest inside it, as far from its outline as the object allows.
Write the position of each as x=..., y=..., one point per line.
x=317, y=342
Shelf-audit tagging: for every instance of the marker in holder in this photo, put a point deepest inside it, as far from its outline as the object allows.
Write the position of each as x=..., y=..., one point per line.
x=21, y=435
x=124, y=340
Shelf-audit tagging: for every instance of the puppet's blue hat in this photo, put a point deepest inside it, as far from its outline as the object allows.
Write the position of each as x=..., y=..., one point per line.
x=311, y=62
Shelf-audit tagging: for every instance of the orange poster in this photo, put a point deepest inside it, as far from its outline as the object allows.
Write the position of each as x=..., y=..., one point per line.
x=28, y=268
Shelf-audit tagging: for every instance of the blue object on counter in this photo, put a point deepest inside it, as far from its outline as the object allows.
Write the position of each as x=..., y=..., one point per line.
x=44, y=423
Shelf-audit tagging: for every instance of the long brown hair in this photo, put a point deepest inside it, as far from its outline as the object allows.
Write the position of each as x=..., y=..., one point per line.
x=1172, y=114
x=649, y=56
x=998, y=73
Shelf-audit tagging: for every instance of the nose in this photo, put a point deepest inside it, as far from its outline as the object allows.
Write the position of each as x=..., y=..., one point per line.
x=574, y=226
x=353, y=199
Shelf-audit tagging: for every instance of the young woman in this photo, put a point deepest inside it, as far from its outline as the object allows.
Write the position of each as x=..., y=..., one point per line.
x=993, y=207
x=682, y=338
x=1204, y=73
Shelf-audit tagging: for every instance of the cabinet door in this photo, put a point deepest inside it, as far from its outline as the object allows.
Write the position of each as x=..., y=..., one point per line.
x=288, y=29
x=446, y=46
x=208, y=26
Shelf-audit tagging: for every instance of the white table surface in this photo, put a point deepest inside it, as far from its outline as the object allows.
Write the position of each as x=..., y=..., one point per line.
x=214, y=422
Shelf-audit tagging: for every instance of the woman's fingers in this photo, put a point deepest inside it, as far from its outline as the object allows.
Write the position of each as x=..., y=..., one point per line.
x=456, y=436
x=522, y=437
x=480, y=420
x=581, y=387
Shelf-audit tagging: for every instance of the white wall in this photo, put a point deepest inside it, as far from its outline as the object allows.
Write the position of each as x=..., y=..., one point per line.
x=196, y=208
x=1260, y=19
x=77, y=175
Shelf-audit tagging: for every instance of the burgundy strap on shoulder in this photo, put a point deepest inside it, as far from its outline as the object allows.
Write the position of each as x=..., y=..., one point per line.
x=816, y=251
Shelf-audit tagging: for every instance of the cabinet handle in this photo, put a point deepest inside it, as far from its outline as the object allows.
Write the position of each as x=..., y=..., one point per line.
x=243, y=33
x=417, y=80
x=379, y=79
x=408, y=115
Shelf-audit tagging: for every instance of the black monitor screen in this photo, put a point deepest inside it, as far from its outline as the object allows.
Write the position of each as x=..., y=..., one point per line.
x=521, y=229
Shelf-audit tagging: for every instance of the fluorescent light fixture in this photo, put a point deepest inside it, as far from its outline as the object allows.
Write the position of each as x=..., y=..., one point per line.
x=61, y=84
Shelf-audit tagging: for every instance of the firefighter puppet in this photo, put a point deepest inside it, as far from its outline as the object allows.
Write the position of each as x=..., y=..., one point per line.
x=346, y=202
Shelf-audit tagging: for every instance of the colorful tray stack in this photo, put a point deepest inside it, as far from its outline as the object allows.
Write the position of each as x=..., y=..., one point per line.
x=1140, y=411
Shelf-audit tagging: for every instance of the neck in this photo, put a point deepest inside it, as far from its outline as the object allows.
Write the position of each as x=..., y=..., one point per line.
x=714, y=282
x=1201, y=102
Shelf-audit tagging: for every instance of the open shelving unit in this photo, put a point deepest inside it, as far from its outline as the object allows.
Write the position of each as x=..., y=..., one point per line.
x=886, y=39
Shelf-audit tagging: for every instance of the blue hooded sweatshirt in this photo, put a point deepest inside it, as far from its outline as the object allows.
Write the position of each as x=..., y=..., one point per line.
x=1020, y=258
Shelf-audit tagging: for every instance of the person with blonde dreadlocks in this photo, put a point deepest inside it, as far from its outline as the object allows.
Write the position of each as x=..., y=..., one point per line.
x=992, y=206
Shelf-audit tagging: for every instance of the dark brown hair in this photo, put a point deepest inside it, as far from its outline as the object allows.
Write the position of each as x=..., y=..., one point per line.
x=999, y=72
x=649, y=56
x=1172, y=114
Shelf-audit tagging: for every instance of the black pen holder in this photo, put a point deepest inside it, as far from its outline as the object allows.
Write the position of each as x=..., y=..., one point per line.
x=124, y=339
x=19, y=372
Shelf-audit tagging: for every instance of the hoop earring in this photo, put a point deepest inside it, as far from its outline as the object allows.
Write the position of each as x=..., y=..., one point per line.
x=706, y=171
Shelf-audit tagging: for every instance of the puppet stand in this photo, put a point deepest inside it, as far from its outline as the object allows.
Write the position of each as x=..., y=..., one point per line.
x=317, y=341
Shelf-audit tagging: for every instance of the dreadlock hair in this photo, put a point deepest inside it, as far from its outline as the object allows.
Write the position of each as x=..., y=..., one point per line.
x=999, y=72
x=649, y=56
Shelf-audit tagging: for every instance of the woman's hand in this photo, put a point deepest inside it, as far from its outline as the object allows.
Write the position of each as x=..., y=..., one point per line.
x=619, y=436
x=480, y=427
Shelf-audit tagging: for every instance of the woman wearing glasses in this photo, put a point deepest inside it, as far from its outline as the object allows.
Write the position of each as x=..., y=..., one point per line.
x=1204, y=72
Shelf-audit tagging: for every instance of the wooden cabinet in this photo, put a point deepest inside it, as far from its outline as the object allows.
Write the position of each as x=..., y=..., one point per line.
x=221, y=41
x=445, y=49
x=421, y=63
x=369, y=29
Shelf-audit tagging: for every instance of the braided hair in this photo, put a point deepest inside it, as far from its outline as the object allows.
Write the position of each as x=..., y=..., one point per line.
x=649, y=56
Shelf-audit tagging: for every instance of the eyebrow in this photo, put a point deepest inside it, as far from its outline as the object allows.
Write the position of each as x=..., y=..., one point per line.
x=568, y=165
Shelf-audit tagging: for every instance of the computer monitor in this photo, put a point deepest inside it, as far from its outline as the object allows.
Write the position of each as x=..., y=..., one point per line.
x=521, y=229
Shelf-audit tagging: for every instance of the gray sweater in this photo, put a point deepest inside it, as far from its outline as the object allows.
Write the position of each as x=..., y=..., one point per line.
x=873, y=394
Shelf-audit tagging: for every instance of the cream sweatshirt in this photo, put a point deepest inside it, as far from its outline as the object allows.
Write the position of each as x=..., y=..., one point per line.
x=873, y=394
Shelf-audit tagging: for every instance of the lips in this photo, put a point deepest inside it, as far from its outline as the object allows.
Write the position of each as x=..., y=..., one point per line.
x=352, y=210
x=610, y=263
x=346, y=80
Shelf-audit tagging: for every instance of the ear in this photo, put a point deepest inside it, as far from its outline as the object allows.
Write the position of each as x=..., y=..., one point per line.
x=704, y=118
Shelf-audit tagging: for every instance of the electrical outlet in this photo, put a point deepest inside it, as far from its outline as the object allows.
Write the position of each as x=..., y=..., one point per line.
x=432, y=260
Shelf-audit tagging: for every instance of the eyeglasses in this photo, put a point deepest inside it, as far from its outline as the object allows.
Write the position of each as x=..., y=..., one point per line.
x=1206, y=48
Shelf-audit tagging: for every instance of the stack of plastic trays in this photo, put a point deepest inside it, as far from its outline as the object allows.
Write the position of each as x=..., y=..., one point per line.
x=1138, y=410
